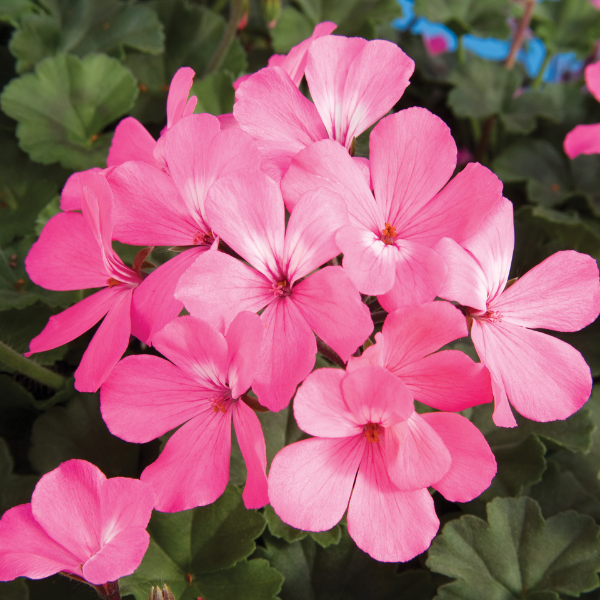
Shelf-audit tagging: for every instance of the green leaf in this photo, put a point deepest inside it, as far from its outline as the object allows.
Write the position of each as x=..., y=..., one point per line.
x=291, y=28
x=59, y=587
x=83, y=27
x=521, y=114
x=586, y=175
x=63, y=107
x=215, y=94
x=538, y=163
x=14, y=489
x=517, y=554
x=11, y=11
x=78, y=431
x=481, y=87
x=199, y=552
x=14, y=590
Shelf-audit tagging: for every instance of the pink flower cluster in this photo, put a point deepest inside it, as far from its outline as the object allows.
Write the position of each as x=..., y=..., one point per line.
x=259, y=205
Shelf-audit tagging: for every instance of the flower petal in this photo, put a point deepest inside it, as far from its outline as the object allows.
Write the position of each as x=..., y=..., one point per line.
x=592, y=79
x=70, y=197
x=131, y=141
x=179, y=90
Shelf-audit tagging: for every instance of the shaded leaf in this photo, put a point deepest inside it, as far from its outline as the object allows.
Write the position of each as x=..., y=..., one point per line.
x=60, y=588
x=291, y=28
x=11, y=11
x=14, y=590
x=14, y=489
x=521, y=114
x=215, y=94
x=586, y=175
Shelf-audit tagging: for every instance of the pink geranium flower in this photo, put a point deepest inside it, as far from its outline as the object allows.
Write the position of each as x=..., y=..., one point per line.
x=146, y=396
x=543, y=377
x=375, y=456
x=388, y=244
x=74, y=252
x=448, y=380
x=585, y=139
x=158, y=208
x=352, y=82
x=246, y=210
x=79, y=523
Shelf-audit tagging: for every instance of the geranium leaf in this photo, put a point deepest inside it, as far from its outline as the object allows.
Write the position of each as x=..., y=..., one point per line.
x=14, y=489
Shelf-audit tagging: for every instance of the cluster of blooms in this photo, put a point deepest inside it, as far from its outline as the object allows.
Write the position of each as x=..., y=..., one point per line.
x=259, y=287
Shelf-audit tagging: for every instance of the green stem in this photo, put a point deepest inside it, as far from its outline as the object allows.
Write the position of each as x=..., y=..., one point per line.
x=219, y=5
x=460, y=51
x=539, y=78
x=30, y=368
x=235, y=14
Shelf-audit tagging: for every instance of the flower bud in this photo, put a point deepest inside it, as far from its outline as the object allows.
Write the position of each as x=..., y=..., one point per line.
x=244, y=18
x=271, y=10
x=157, y=594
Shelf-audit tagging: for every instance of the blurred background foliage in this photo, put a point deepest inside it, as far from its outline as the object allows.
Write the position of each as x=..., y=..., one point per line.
x=71, y=69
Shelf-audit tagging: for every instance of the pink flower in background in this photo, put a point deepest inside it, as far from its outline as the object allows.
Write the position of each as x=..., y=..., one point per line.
x=147, y=396
x=158, y=208
x=352, y=82
x=447, y=380
x=435, y=44
x=74, y=252
x=585, y=139
x=78, y=522
x=373, y=455
x=543, y=377
x=388, y=245
x=246, y=210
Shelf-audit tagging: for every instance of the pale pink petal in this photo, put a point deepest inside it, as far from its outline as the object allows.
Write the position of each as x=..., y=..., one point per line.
x=26, y=550
x=369, y=262
x=561, y=293
x=583, y=139
x=287, y=357
x=148, y=208
x=120, y=557
x=228, y=121
x=365, y=168
x=244, y=342
x=412, y=156
x=465, y=281
x=146, y=396
x=70, y=197
x=354, y=83
x=416, y=455
x=154, y=303
x=545, y=378
x=252, y=444
x=131, y=141
x=420, y=273
x=247, y=211
x=386, y=523
x=310, y=482
x=66, y=256
x=447, y=380
x=274, y=61
x=327, y=165
x=272, y=110
x=503, y=415
x=458, y=210
x=320, y=408
x=108, y=344
x=217, y=287
x=310, y=234
x=373, y=355
x=193, y=469
x=178, y=94
x=473, y=464
x=374, y=395
x=592, y=79
x=333, y=308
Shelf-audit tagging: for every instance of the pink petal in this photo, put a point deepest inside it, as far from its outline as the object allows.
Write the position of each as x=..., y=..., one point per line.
x=545, y=378
x=320, y=408
x=26, y=550
x=416, y=456
x=252, y=444
x=179, y=91
x=458, y=210
x=412, y=156
x=473, y=464
x=247, y=211
x=146, y=396
x=592, y=79
x=583, y=139
x=310, y=482
x=70, y=197
x=193, y=469
x=354, y=83
x=154, y=303
x=326, y=164
x=374, y=395
x=108, y=344
x=244, y=341
x=118, y=558
x=228, y=121
x=333, y=309
x=287, y=357
x=503, y=415
x=66, y=256
x=420, y=273
x=310, y=234
x=217, y=287
x=561, y=293
x=131, y=141
x=272, y=110
x=387, y=523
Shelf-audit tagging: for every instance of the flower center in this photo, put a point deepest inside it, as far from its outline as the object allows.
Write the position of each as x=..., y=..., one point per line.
x=112, y=282
x=281, y=289
x=372, y=432
x=492, y=316
x=388, y=234
x=204, y=238
x=219, y=404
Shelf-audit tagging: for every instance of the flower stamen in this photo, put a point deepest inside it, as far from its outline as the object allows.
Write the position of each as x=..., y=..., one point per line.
x=372, y=432
x=388, y=234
